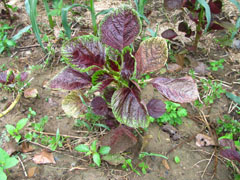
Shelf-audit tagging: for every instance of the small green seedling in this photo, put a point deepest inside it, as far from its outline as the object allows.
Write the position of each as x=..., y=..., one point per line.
x=93, y=151
x=56, y=141
x=143, y=167
x=173, y=115
x=5, y=43
x=215, y=65
x=14, y=131
x=177, y=159
x=228, y=125
x=128, y=163
x=6, y=162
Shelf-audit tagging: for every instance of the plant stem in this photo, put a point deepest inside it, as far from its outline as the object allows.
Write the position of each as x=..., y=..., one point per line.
x=7, y=9
x=93, y=15
x=198, y=29
x=51, y=23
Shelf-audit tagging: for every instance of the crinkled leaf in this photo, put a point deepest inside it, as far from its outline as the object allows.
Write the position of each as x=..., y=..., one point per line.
x=169, y=34
x=151, y=55
x=119, y=139
x=180, y=90
x=70, y=79
x=102, y=77
x=23, y=76
x=108, y=92
x=173, y=4
x=156, y=108
x=215, y=6
x=44, y=157
x=72, y=105
x=128, y=66
x=7, y=77
x=99, y=106
x=114, y=159
x=119, y=28
x=84, y=51
x=230, y=154
x=128, y=109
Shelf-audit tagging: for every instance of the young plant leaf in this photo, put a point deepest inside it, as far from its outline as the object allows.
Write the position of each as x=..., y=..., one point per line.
x=181, y=90
x=114, y=159
x=7, y=77
x=84, y=52
x=3, y=176
x=169, y=34
x=99, y=106
x=82, y=148
x=94, y=146
x=151, y=55
x=97, y=159
x=70, y=79
x=128, y=109
x=156, y=108
x=20, y=124
x=128, y=66
x=10, y=162
x=104, y=150
x=208, y=12
x=119, y=28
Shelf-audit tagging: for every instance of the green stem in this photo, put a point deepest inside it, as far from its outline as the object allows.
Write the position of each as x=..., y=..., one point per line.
x=51, y=23
x=93, y=15
x=199, y=27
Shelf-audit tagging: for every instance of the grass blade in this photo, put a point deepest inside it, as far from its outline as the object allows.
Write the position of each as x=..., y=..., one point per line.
x=31, y=8
x=51, y=23
x=64, y=17
x=21, y=32
x=208, y=12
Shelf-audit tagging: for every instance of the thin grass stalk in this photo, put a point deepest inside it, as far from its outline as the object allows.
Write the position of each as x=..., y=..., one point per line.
x=93, y=15
x=51, y=23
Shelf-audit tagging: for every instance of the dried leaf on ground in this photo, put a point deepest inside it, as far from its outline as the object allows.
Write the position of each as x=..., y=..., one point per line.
x=10, y=147
x=201, y=69
x=26, y=147
x=44, y=157
x=145, y=141
x=31, y=171
x=204, y=140
x=119, y=139
x=173, y=67
x=172, y=131
x=30, y=93
x=165, y=164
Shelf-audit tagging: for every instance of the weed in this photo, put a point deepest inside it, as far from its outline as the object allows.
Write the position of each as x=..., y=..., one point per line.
x=173, y=115
x=143, y=154
x=5, y=43
x=228, y=125
x=6, y=162
x=215, y=65
x=143, y=167
x=56, y=141
x=177, y=159
x=128, y=163
x=93, y=151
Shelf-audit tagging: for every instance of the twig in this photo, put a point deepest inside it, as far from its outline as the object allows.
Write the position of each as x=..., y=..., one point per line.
x=12, y=105
x=208, y=164
x=23, y=167
x=31, y=46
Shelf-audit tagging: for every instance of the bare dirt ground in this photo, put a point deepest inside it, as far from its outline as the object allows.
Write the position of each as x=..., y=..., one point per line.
x=196, y=163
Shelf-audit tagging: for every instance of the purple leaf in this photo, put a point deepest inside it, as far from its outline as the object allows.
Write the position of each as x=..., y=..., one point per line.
x=173, y=4
x=128, y=109
x=102, y=77
x=23, y=76
x=156, y=108
x=215, y=26
x=215, y=7
x=183, y=27
x=119, y=139
x=70, y=79
x=151, y=55
x=169, y=34
x=227, y=143
x=84, y=51
x=99, y=106
x=230, y=154
x=128, y=66
x=120, y=28
x=112, y=123
x=7, y=77
x=181, y=90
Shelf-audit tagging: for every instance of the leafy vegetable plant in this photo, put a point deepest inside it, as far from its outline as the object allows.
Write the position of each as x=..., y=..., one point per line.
x=109, y=64
x=14, y=131
x=6, y=162
x=201, y=12
x=93, y=151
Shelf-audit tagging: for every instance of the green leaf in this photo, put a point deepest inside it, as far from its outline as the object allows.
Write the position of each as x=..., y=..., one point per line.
x=208, y=12
x=233, y=97
x=177, y=159
x=10, y=129
x=20, y=33
x=3, y=176
x=10, y=162
x=97, y=159
x=82, y=148
x=18, y=137
x=3, y=155
x=94, y=146
x=10, y=43
x=64, y=18
x=182, y=112
x=114, y=159
x=104, y=150
x=21, y=123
